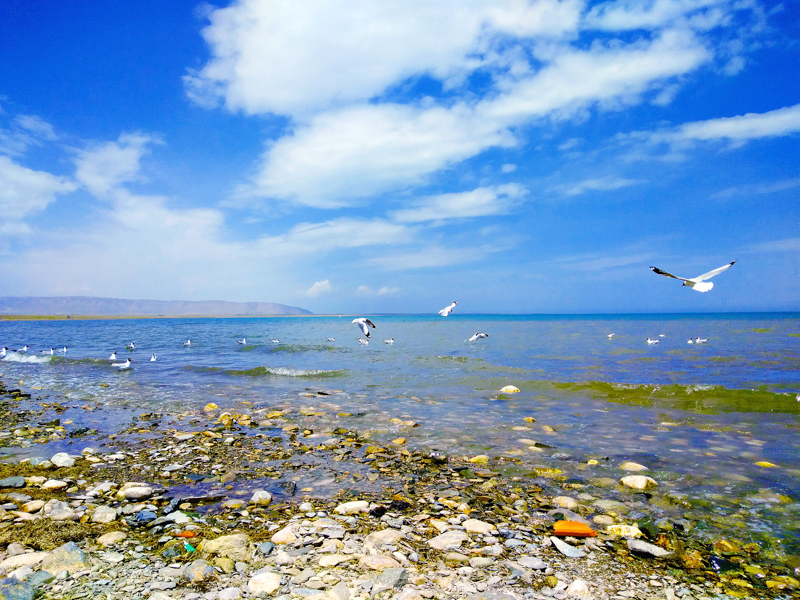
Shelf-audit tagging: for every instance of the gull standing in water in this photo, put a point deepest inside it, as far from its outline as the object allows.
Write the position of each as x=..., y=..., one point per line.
x=131, y=346
x=611, y=336
x=50, y=352
x=64, y=350
x=153, y=358
x=187, y=343
x=363, y=342
x=242, y=341
x=448, y=309
x=478, y=336
x=389, y=341
x=364, y=324
x=3, y=352
x=690, y=341
x=330, y=339
x=113, y=355
x=24, y=349
x=700, y=340
x=275, y=341
x=699, y=283
x=651, y=342
x=125, y=365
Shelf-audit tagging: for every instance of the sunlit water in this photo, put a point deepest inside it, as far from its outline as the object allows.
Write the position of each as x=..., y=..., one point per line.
x=700, y=416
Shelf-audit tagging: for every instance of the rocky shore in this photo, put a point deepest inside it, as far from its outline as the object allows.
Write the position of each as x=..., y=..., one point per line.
x=213, y=506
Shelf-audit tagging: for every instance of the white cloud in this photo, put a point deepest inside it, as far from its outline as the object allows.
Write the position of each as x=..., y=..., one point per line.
x=433, y=256
x=319, y=288
x=602, y=184
x=310, y=238
x=775, y=123
x=481, y=202
x=23, y=132
x=508, y=168
x=293, y=58
x=599, y=262
x=25, y=192
x=758, y=189
x=345, y=156
x=103, y=167
x=785, y=245
x=365, y=290
x=37, y=126
x=623, y=15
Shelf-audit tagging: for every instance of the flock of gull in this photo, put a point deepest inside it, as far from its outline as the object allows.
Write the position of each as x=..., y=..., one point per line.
x=699, y=284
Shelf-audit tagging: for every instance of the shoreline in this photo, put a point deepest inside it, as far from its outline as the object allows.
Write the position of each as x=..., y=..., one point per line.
x=210, y=465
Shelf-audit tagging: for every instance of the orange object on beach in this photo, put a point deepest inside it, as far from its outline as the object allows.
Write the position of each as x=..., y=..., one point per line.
x=186, y=534
x=573, y=528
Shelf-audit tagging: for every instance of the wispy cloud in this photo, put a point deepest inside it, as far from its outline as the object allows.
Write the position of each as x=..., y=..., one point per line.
x=758, y=189
x=601, y=184
x=434, y=256
x=785, y=245
x=103, y=167
x=365, y=290
x=481, y=202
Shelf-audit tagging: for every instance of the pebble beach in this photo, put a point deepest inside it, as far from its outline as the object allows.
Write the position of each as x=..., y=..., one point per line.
x=210, y=504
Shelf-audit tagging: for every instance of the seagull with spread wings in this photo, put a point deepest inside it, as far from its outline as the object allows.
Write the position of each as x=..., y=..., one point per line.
x=364, y=324
x=448, y=309
x=699, y=283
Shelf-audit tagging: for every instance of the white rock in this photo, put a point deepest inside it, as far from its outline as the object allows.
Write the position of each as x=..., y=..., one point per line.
x=264, y=584
x=632, y=466
x=261, y=497
x=22, y=560
x=449, y=539
x=104, y=514
x=639, y=482
x=578, y=589
x=351, y=508
x=62, y=459
x=284, y=536
x=135, y=492
x=54, y=484
x=565, y=502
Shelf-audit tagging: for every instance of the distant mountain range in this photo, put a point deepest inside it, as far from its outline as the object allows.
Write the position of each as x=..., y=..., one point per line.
x=88, y=305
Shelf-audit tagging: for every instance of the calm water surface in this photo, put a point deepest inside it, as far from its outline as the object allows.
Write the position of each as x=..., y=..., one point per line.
x=700, y=416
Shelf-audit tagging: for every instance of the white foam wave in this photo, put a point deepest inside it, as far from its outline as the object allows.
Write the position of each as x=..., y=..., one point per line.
x=25, y=358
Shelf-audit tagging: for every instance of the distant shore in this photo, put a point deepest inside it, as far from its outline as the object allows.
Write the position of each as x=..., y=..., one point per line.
x=111, y=317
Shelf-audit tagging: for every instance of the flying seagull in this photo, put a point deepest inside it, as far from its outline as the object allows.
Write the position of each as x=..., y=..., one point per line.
x=699, y=283
x=448, y=309
x=125, y=365
x=364, y=324
x=478, y=336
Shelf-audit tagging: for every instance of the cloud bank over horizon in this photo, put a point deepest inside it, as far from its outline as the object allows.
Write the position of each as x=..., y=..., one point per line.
x=379, y=155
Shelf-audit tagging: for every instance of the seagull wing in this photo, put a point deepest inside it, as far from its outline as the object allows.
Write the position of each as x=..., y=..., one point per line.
x=711, y=274
x=660, y=272
x=370, y=323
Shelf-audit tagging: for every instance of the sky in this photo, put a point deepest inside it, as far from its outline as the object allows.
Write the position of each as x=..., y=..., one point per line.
x=388, y=156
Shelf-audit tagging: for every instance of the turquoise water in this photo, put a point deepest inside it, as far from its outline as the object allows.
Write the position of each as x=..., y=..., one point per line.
x=700, y=416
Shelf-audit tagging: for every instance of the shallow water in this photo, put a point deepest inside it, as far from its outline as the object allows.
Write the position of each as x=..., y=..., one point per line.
x=700, y=416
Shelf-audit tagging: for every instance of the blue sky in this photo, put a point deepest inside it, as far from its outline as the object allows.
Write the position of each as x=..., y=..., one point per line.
x=376, y=156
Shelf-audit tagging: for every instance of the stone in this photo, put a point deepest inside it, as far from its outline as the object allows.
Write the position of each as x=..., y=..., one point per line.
x=510, y=389
x=339, y=592
x=449, y=539
x=378, y=562
x=22, y=560
x=261, y=498
x=104, y=514
x=351, y=508
x=332, y=560
x=389, y=579
x=264, y=584
x=135, y=491
x=62, y=459
x=567, y=549
x=233, y=504
x=236, y=547
x=578, y=589
x=284, y=536
x=198, y=571
x=640, y=547
x=480, y=562
x=381, y=537
x=68, y=557
x=639, y=482
x=12, y=482
x=632, y=466
x=229, y=593
x=565, y=502
x=54, y=484
x=109, y=539
x=532, y=562
x=476, y=526
x=12, y=589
